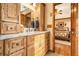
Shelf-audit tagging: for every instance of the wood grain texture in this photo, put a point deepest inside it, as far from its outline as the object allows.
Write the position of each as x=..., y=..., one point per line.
x=62, y=49
x=8, y=28
x=10, y=12
x=19, y=53
x=1, y=48
x=74, y=38
x=9, y=17
x=37, y=45
x=42, y=17
x=13, y=45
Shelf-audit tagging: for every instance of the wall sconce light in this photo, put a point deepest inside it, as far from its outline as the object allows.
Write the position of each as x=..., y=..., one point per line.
x=58, y=11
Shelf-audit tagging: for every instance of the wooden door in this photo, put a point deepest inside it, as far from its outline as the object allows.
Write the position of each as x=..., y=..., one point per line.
x=10, y=12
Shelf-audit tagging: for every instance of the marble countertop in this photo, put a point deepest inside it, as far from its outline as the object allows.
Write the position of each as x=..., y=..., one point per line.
x=8, y=36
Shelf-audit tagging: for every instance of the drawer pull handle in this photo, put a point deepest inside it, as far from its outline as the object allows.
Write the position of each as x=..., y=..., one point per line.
x=0, y=47
x=17, y=44
x=11, y=28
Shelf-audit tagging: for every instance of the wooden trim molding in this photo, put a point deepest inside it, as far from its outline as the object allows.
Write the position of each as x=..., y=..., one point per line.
x=74, y=39
x=57, y=4
x=63, y=18
x=53, y=27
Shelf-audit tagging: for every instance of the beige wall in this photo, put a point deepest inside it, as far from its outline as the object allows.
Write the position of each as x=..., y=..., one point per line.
x=66, y=10
x=49, y=21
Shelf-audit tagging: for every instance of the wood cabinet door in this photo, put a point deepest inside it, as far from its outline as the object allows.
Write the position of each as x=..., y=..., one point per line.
x=30, y=40
x=19, y=53
x=10, y=12
x=30, y=46
x=1, y=48
x=15, y=44
x=31, y=50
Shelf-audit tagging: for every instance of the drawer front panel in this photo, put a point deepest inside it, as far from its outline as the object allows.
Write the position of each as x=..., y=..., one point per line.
x=1, y=48
x=7, y=28
x=19, y=53
x=15, y=44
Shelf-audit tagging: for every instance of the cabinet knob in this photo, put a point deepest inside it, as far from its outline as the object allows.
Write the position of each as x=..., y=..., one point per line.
x=0, y=47
x=11, y=28
x=17, y=44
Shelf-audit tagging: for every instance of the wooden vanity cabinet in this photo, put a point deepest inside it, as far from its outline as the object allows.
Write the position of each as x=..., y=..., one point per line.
x=1, y=48
x=47, y=42
x=33, y=45
x=37, y=45
x=41, y=44
x=13, y=46
x=10, y=12
x=9, y=18
x=19, y=53
x=30, y=46
x=31, y=50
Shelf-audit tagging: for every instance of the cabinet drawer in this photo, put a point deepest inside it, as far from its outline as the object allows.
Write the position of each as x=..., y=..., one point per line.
x=1, y=48
x=19, y=53
x=12, y=45
x=7, y=28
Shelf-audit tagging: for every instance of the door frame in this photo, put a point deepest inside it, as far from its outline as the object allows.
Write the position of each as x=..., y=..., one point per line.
x=73, y=36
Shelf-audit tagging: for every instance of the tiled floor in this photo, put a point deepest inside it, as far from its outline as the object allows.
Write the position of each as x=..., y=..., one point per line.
x=51, y=54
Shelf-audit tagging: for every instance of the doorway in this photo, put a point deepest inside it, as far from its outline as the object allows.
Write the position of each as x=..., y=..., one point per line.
x=65, y=28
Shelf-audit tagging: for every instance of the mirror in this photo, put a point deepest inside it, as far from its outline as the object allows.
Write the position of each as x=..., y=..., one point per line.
x=27, y=16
